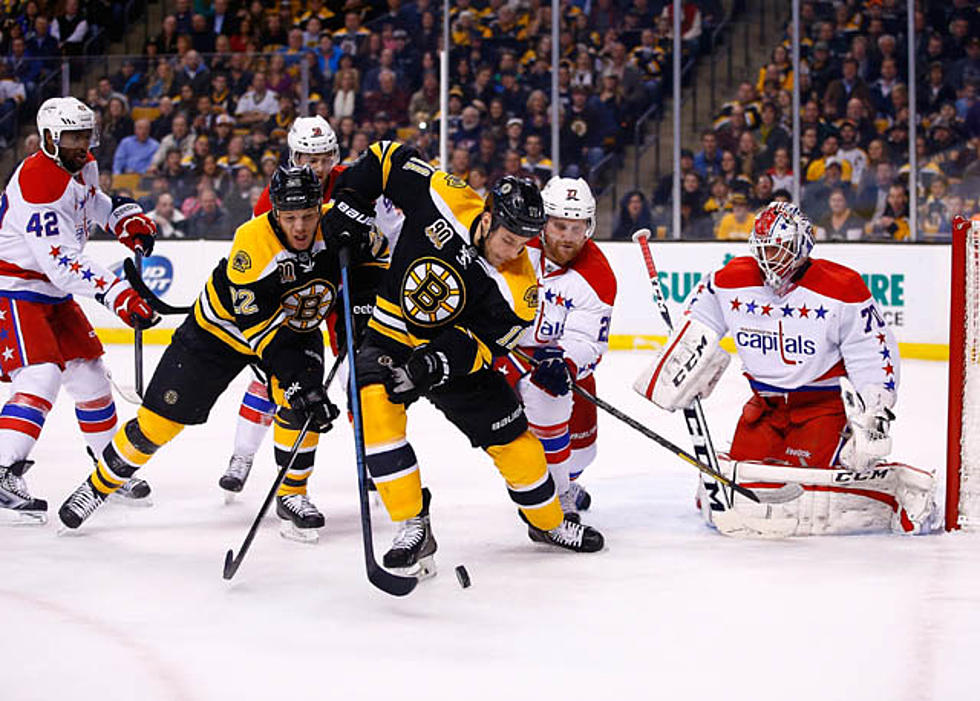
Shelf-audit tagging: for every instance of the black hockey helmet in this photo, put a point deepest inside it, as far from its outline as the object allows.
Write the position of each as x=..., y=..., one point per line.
x=295, y=187
x=515, y=203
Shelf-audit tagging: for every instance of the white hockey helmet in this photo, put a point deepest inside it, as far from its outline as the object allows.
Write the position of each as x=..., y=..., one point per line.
x=570, y=198
x=780, y=242
x=61, y=114
x=313, y=135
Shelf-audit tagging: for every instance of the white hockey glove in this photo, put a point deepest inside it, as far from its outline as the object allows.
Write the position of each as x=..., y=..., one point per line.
x=689, y=367
x=868, y=421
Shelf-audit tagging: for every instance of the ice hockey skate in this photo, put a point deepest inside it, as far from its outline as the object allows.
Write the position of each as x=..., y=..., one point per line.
x=135, y=492
x=81, y=504
x=17, y=506
x=300, y=518
x=570, y=535
x=414, y=545
x=233, y=481
x=583, y=500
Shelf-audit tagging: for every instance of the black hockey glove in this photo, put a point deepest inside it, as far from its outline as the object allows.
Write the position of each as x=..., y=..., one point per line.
x=311, y=402
x=423, y=370
x=554, y=372
x=348, y=223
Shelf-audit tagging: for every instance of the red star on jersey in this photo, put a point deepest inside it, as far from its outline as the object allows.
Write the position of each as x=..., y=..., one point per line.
x=736, y=304
x=804, y=311
x=91, y=190
x=881, y=338
x=75, y=267
x=100, y=282
x=55, y=251
x=560, y=301
x=889, y=369
x=766, y=308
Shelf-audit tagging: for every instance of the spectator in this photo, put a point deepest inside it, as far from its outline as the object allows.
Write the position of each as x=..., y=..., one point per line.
x=580, y=136
x=966, y=71
x=388, y=98
x=881, y=91
x=183, y=16
x=935, y=92
x=25, y=69
x=236, y=158
x=829, y=154
x=512, y=165
x=772, y=135
x=258, y=104
x=762, y=192
x=180, y=139
x=665, y=188
x=630, y=80
x=170, y=221
x=32, y=144
x=468, y=134
x=719, y=201
x=425, y=102
x=535, y=161
x=135, y=152
x=222, y=21
x=634, y=214
x=383, y=128
x=840, y=223
x=781, y=172
x=238, y=200
x=278, y=78
x=70, y=29
x=478, y=180
x=346, y=97
x=41, y=46
x=459, y=163
x=193, y=72
x=352, y=38
x=707, y=161
x=848, y=86
x=178, y=180
x=737, y=224
x=893, y=224
x=12, y=96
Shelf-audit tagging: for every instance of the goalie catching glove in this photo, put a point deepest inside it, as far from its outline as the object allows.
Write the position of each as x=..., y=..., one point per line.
x=688, y=368
x=868, y=420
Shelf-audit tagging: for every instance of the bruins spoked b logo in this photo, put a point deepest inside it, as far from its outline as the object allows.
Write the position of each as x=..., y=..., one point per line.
x=432, y=292
x=305, y=308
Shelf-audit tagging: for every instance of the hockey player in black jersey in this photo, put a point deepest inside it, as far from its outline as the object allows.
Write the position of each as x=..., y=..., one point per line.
x=459, y=291
x=263, y=305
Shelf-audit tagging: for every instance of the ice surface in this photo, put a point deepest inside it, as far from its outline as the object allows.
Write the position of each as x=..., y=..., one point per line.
x=133, y=605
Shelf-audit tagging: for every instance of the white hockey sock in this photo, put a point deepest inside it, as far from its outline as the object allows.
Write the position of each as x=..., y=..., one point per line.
x=86, y=382
x=254, y=417
x=35, y=388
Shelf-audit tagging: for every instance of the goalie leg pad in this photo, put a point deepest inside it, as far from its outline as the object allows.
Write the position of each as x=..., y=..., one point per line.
x=689, y=367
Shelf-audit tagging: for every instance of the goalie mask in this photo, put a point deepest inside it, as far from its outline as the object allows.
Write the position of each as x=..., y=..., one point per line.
x=60, y=116
x=570, y=198
x=313, y=136
x=781, y=242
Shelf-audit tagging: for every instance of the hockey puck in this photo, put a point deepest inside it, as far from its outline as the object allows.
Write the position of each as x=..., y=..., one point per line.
x=463, y=576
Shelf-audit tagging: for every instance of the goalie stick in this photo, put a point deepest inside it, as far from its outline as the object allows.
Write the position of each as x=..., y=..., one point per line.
x=233, y=561
x=656, y=437
x=391, y=583
x=694, y=419
x=135, y=279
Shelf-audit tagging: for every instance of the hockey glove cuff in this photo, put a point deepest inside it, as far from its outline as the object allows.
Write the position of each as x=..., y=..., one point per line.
x=424, y=370
x=123, y=301
x=311, y=402
x=131, y=226
x=348, y=223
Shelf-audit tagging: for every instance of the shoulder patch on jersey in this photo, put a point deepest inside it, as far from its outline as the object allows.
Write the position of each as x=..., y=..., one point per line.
x=522, y=282
x=41, y=180
x=834, y=280
x=593, y=266
x=254, y=247
x=739, y=272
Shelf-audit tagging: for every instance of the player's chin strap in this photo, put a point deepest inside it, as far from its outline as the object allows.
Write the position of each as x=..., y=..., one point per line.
x=135, y=279
x=660, y=440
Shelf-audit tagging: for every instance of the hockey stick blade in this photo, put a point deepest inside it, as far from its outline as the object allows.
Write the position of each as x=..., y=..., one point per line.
x=156, y=304
x=391, y=583
x=652, y=435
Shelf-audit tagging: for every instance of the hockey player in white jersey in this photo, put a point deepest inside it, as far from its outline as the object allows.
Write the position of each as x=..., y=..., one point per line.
x=47, y=212
x=569, y=336
x=807, y=332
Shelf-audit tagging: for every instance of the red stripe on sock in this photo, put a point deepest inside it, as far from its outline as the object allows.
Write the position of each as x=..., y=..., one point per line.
x=31, y=400
x=11, y=423
x=98, y=426
x=256, y=417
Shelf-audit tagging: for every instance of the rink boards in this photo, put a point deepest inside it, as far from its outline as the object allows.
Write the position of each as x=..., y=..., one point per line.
x=909, y=281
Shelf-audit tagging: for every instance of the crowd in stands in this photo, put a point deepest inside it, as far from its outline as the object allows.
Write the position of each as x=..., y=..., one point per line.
x=195, y=126
x=854, y=165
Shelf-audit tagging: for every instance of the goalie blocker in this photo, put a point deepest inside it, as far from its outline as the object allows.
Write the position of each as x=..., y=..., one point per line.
x=807, y=331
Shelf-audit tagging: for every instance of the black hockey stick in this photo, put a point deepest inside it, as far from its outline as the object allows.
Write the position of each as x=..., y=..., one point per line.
x=233, y=561
x=656, y=437
x=138, y=328
x=694, y=419
x=135, y=279
x=393, y=584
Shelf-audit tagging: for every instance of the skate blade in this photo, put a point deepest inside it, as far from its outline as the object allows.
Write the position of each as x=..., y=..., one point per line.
x=425, y=568
x=119, y=499
x=289, y=531
x=10, y=517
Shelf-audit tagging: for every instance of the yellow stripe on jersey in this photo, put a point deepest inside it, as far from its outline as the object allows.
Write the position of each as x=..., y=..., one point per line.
x=463, y=202
x=484, y=357
x=523, y=284
x=394, y=334
x=383, y=151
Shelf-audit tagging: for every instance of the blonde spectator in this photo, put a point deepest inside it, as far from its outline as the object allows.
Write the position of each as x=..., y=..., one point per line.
x=737, y=224
x=346, y=99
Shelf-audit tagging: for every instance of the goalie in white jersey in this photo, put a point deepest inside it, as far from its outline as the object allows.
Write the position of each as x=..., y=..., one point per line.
x=569, y=336
x=807, y=332
x=47, y=212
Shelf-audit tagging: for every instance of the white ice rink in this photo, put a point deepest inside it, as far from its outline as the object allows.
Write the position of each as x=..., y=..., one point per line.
x=133, y=606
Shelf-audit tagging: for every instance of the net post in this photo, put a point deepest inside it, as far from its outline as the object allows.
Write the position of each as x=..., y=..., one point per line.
x=957, y=345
